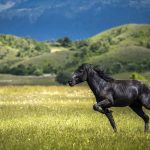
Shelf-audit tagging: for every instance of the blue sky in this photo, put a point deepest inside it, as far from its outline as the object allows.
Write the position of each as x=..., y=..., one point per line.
x=78, y=19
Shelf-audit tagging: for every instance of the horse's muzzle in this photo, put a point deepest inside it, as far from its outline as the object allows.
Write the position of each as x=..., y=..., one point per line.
x=70, y=83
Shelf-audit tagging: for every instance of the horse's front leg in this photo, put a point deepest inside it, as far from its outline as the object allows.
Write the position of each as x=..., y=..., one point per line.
x=97, y=108
x=102, y=104
x=105, y=104
x=111, y=120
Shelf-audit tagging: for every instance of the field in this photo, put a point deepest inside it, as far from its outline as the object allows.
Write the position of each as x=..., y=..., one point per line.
x=61, y=118
x=8, y=79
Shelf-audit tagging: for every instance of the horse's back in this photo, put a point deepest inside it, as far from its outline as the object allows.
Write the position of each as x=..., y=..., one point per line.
x=125, y=92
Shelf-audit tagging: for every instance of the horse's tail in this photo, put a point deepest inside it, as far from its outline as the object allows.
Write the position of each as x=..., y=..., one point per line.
x=144, y=89
x=145, y=96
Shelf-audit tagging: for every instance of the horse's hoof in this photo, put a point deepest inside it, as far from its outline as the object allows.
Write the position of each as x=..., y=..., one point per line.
x=115, y=130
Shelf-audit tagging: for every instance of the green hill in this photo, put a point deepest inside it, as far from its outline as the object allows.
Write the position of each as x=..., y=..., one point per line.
x=122, y=49
x=18, y=54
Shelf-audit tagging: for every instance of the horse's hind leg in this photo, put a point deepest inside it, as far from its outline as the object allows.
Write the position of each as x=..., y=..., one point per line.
x=138, y=110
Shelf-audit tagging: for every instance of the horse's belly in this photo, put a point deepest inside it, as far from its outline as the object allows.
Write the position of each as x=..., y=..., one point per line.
x=121, y=102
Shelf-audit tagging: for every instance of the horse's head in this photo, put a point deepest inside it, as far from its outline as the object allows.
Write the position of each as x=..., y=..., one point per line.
x=80, y=75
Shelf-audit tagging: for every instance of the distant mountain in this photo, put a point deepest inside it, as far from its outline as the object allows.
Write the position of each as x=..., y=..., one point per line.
x=78, y=19
x=121, y=49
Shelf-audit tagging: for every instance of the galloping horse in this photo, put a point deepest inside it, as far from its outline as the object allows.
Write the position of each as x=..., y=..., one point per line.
x=113, y=93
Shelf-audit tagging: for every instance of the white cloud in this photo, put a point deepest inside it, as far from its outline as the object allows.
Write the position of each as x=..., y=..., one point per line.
x=145, y=3
x=69, y=8
x=6, y=6
x=139, y=3
x=31, y=13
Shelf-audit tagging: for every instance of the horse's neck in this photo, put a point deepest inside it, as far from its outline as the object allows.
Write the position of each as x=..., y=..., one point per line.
x=95, y=83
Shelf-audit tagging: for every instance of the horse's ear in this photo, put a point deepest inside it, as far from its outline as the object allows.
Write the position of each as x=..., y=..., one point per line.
x=88, y=66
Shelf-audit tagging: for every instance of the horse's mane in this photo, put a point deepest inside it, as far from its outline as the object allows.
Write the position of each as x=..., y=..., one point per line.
x=103, y=75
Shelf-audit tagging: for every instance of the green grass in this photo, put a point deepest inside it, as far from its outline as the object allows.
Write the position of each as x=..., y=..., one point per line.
x=56, y=59
x=123, y=31
x=57, y=118
x=121, y=55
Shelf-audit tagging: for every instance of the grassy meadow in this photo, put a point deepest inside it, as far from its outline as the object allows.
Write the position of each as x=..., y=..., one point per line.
x=61, y=118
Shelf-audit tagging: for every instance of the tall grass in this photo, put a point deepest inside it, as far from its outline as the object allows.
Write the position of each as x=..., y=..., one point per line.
x=61, y=118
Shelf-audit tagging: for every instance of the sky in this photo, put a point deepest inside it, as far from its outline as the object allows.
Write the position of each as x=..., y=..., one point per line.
x=77, y=19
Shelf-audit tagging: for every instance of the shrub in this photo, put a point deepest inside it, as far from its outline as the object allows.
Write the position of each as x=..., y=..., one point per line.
x=116, y=68
x=132, y=67
x=81, y=44
x=94, y=47
x=31, y=69
x=137, y=76
x=49, y=69
x=63, y=77
x=38, y=72
x=19, y=70
x=65, y=42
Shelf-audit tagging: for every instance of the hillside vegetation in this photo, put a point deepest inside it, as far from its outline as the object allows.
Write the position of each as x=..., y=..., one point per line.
x=25, y=56
x=125, y=48
x=122, y=49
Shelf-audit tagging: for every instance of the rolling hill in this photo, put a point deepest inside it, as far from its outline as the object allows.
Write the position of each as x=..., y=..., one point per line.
x=128, y=48
x=121, y=49
x=124, y=48
x=26, y=52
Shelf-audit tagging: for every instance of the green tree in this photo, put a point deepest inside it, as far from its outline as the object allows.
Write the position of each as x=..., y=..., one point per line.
x=19, y=70
x=65, y=42
x=31, y=69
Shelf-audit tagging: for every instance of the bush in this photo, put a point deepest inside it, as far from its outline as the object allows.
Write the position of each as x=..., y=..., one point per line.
x=19, y=70
x=81, y=44
x=65, y=42
x=116, y=68
x=94, y=47
x=132, y=67
x=38, y=72
x=63, y=77
x=137, y=76
x=31, y=69
x=49, y=69
x=41, y=47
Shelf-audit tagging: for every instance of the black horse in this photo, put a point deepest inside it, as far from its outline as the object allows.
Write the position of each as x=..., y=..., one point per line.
x=113, y=93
